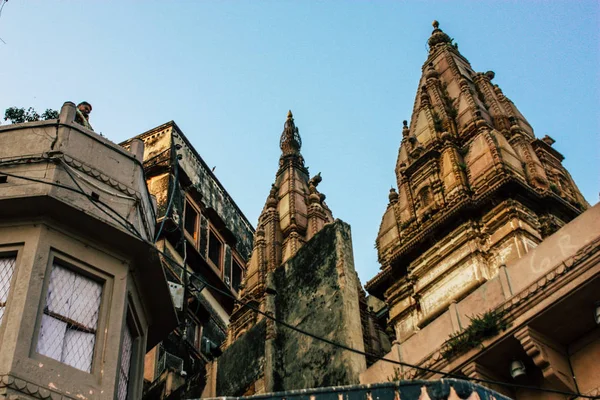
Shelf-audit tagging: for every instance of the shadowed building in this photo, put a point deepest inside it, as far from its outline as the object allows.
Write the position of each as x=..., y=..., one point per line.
x=477, y=193
x=82, y=290
x=198, y=225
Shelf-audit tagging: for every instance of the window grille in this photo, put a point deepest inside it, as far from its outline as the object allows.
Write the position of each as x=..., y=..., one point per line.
x=167, y=360
x=125, y=367
x=7, y=268
x=70, y=319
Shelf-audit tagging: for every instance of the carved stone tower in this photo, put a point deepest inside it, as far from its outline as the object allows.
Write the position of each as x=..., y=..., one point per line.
x=293, y=213
x=476, y=189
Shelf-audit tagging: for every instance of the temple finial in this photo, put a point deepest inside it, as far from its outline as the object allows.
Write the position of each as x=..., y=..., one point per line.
x=290, y=142
x=438, y=36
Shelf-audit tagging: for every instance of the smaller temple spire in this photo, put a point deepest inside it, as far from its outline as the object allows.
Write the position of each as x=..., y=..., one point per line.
x=437, y=36
x=290, y=142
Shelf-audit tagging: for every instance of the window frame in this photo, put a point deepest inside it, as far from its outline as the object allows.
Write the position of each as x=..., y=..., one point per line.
x=88, y=271
x=196, y=236
x=219, y=268
x=7, y=251
x=236, y=259
x=136, y=368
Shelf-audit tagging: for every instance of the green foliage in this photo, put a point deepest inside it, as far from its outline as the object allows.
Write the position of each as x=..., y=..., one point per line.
x=437, y=122
x=462, y=166
x=20, y=115
x=396, y=376
x=49, y=114
x=482, y=327
x=448, y=103
x=554, y=188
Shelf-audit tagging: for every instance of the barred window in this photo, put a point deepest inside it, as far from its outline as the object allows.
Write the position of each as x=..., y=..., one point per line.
x=7, y=268
x=125, y=366
x=68, y=329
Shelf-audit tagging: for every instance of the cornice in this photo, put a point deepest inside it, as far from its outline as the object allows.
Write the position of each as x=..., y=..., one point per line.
x=29, y=388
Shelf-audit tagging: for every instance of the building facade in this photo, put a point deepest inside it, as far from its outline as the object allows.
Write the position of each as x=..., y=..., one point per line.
x=199, y=226
x=82, y=291
x=477, y=194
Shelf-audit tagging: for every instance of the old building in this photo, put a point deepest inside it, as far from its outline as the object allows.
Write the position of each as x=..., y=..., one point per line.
x=459, y=244
x=82, y=291
x=198, y=225
x=301, y=272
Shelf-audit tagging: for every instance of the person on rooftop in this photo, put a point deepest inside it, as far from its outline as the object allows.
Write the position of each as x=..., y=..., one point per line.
x=82, y=116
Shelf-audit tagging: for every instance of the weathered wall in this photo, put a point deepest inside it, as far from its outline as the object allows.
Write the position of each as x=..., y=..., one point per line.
x=158, y=150
x=215, y=196
x=515, y=283
x=317, y=291
x=242, y=363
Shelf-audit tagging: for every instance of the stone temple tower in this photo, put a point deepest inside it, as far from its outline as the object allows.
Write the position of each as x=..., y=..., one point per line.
x=301, y=273
x=476, y=189
x=293, y=213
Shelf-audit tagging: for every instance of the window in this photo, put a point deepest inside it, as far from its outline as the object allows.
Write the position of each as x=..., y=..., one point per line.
x=70, y=319
x=237, y=273
x=7, y=268
x=215, y=248
x=191, y=220
x=125, y=365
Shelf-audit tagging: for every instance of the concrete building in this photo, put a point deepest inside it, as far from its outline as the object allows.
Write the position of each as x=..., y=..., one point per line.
x=82, y=291
x=485, y=271
x=198, y=225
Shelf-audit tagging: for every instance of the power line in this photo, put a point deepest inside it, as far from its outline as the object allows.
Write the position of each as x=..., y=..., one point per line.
x=299, y=330
x=128, y=226
x=342, y=346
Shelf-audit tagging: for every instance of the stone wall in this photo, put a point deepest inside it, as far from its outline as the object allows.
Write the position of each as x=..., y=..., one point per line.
x=317, y=291
x=242, y=363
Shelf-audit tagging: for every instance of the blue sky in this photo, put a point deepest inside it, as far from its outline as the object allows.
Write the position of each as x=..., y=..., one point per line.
x=228, y=71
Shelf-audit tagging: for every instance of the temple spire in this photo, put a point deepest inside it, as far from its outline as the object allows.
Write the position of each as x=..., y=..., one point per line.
x=294, y=212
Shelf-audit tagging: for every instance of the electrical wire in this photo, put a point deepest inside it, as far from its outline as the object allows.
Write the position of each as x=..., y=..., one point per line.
x=128, y=226
x=299, y=330
x=351, y=349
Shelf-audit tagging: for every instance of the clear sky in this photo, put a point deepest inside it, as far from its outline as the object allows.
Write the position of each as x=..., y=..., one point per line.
x=228, y=71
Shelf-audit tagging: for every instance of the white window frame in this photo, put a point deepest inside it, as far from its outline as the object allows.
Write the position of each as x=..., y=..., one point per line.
x=9, y=252
x=85, y=270
x=132, y=322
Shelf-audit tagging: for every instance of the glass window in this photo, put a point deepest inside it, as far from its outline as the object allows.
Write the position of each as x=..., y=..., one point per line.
x=125, y=366
x=7, y=268
x=215, y=248
x=68, y=329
